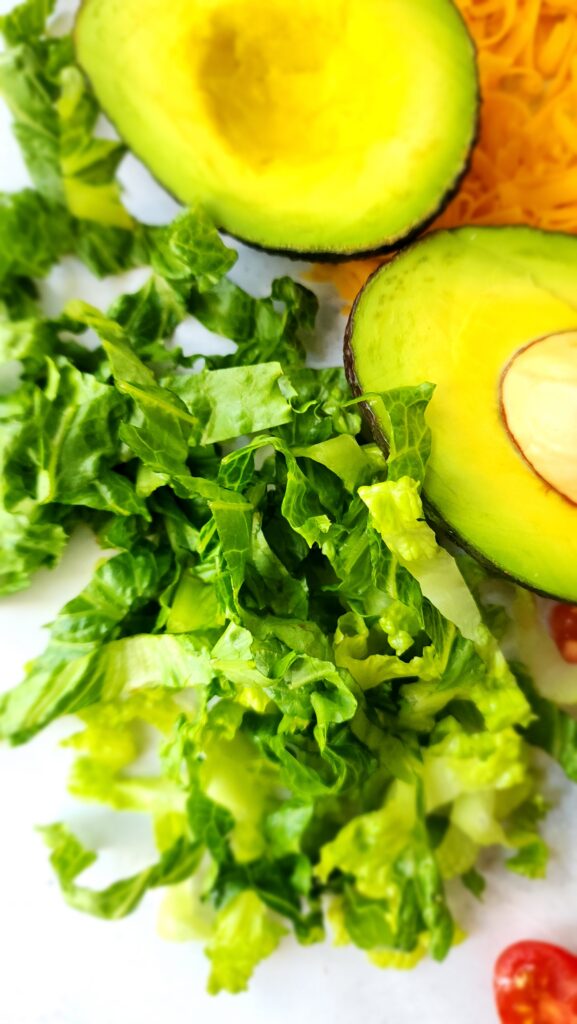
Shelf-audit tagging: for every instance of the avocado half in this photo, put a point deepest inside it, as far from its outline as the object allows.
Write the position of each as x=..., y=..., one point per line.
x=488, y=315
x=317, y=127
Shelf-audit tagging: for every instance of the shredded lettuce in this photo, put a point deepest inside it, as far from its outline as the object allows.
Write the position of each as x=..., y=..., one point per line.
x=338, y=732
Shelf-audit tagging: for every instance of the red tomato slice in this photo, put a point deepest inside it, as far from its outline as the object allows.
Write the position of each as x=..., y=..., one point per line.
x=536, y=983
x=564, y=630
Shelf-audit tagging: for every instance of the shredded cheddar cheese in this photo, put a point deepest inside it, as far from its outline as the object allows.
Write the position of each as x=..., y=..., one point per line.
x=524, y=167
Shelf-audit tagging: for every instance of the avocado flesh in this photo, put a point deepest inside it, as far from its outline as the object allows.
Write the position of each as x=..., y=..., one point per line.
x=300, y=125
x=456, y=309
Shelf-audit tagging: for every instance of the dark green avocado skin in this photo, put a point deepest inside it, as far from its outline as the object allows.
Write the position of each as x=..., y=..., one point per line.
x=433, y=515
x=386, y=247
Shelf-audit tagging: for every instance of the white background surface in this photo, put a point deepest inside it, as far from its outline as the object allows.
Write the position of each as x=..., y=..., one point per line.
x=59, y=967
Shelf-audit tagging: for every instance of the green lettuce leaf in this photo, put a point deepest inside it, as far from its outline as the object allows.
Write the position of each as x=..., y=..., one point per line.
x=262, y=332
x=31, y=540
x=89, y=657
x=34, y=234
x=387, y=854
x=69, y=859
x=189, y=253
x=55, y=118
x=236, y=401
x=26, y=20
x=245, y=933
x=552, y=728
x=66, y=448
x=409, y=436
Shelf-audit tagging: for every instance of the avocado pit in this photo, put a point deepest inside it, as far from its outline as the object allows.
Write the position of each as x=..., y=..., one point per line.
x=539, y=408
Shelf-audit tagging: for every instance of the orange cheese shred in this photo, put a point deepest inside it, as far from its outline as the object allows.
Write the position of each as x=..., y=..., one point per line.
x=524, y=167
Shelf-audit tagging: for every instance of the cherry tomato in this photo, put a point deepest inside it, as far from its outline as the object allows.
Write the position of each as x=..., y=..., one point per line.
x=536, y=983
x=563, y=622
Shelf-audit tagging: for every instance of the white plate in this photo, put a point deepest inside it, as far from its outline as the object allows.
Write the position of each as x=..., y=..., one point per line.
x=60, y=967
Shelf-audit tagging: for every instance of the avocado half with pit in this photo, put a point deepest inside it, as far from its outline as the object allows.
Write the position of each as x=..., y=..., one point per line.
x=325, y=127
x=488, y=315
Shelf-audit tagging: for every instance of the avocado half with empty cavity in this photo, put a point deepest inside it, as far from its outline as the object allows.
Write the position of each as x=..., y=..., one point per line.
x=488, y=315
x=322, y=127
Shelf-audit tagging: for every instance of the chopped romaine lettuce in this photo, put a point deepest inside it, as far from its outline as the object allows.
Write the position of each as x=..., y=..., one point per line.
x=338, y=731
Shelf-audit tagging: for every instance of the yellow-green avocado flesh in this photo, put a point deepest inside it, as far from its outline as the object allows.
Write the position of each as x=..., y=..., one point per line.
x=489, y=316
x=329, y=127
